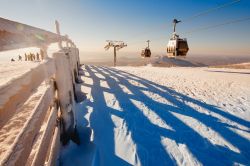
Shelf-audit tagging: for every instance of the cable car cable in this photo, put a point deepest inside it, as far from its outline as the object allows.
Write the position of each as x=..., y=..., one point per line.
x=218, y=25
x=211, y=10
x=198, y=15
x=210, y=27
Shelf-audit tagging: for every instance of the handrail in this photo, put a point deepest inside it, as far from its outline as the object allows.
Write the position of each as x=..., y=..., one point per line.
x=15, y=35
x=60, y=74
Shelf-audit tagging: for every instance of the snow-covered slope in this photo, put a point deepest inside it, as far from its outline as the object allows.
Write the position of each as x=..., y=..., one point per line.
x=12, y=70
x=162, y=116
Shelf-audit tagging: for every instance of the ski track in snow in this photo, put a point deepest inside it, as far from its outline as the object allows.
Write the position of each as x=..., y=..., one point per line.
x=162, y=116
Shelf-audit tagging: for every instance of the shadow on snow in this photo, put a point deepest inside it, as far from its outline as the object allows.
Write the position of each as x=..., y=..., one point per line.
x=147, y=136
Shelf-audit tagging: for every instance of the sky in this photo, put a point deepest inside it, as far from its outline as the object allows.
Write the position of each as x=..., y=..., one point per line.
x=89, y=23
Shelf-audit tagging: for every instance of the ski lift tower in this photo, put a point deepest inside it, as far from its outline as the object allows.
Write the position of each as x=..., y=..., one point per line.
x=117, y=45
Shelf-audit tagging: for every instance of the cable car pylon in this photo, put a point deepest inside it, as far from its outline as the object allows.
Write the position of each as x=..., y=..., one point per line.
x=117, y=45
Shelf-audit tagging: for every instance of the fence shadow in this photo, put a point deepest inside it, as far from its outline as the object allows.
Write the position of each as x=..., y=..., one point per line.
x=148, y=136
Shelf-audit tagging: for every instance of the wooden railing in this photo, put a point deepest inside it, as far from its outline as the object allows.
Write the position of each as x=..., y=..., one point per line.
x=59, y=74
x=52, y=118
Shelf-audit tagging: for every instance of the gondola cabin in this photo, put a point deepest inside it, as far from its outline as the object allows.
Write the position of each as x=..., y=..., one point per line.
x=177, y=46
x=146, y=53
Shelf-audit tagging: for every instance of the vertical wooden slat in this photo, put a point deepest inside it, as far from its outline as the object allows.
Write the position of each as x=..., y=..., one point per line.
x=63, y=78
x=20, y=150
x=55, y=147
x=43, y=148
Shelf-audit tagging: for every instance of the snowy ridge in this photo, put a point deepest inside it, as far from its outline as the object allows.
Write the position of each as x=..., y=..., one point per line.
x=162, y=116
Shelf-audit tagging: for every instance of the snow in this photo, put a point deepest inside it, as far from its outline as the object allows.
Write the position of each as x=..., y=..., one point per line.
x=12, y=70
x=9, y=72
x=162, y=116
x=13, y=126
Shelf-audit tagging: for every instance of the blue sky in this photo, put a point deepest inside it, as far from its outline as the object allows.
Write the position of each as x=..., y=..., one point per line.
x=90, y=22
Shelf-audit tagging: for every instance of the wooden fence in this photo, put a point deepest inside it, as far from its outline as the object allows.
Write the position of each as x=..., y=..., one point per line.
x=38, y=140
x=59, y=74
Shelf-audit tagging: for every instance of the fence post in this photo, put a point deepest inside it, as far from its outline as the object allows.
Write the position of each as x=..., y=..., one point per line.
x=63, y=78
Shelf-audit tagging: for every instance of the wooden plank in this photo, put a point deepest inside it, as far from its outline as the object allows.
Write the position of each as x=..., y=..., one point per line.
x=22, y=146
x=55, y=147
x=20, y=89
x=17, y=35
x=63, y=78
x=40, y=156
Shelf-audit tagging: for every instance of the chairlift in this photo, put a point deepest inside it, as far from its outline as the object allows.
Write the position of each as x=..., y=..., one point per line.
x=177, y=46
x=146, y=53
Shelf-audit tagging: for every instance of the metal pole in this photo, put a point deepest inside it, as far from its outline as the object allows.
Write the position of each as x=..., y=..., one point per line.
x=114, y=56
x=116, y=45
x=175, y=21
x=174, y=26
x=148, y=42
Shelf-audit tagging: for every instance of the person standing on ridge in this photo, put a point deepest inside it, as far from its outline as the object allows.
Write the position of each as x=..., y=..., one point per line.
x=26, y=57
x=19, y=58
x=34, y=57
x=37, y=57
